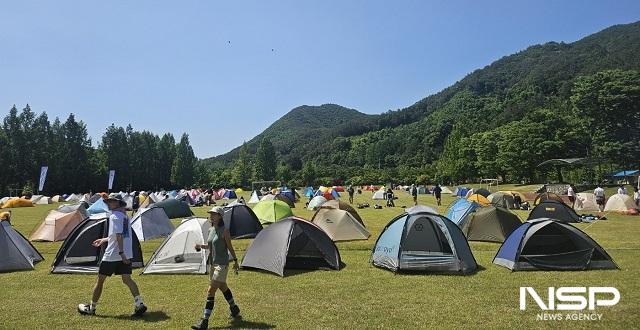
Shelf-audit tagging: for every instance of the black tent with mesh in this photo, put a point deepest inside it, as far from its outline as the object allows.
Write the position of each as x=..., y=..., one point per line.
x=77, y=255
x=554, y=210
x=241, y=221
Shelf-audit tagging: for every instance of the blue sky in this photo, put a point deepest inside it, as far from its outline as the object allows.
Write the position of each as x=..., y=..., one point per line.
x=224, y=71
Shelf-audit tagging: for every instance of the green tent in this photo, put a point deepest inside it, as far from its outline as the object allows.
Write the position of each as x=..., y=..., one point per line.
x=174, y=208
x=490, y=224
x=270, y=211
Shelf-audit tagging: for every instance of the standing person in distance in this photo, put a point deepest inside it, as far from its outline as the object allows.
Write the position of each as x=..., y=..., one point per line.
x=572, y=196
x=219, y=245
x=117, y=257
x=350, y=191
x=636, y=196
x=437, y=192
x=414, y=194
x=600, y=197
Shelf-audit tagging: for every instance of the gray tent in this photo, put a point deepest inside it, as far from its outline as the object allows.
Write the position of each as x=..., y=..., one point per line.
x=502, y=200
x=150, y=223
x=241, y=221
x=423, y=241
x=292, y=243
x=16, y=253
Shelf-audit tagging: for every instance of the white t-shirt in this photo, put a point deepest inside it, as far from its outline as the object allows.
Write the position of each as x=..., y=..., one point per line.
x=599, y=192
x=119, y=223
x=636, y=195
x=570, y=192
x=621, y=191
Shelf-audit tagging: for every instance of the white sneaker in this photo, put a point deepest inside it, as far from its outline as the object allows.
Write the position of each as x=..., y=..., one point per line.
x=85, y=309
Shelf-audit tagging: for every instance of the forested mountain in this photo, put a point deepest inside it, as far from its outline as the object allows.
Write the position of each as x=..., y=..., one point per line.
x=501, y=120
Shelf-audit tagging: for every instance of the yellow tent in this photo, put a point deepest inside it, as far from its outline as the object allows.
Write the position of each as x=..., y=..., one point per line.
x=17, y=202
x=479, y=199
x=323, y=189
x=239, y=190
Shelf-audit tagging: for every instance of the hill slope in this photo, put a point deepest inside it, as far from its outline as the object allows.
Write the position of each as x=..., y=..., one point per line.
x=512, y=88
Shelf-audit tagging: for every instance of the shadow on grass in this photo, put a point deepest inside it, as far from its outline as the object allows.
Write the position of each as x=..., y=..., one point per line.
x=428, y=273
x=240, y=323
x=290, y=272
x=153, y=316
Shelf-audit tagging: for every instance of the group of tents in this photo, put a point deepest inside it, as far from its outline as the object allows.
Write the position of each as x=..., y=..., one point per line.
x=419, y=239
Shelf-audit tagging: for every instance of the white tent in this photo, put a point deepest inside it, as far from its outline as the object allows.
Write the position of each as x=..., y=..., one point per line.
x=150, y=223
x=446, y=190
x=177, y=255
x=586, y=202
x=379, y=194
x=619, y=203
x=40, y=200
x=4, y=200
x=254, y=198
x=73, y=198
x=316, y=202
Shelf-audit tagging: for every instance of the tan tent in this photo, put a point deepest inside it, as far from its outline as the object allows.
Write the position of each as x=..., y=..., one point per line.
x=147, y=202
x=619, y=203
x=339, y=224
x=40, y=200
x=57, y=226
x=337, y=204
x=586, y=202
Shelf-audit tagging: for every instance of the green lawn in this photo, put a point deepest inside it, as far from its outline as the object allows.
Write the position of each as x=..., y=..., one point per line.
x=358, y=296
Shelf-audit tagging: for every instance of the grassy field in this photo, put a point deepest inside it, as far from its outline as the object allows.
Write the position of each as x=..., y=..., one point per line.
x=358, y=296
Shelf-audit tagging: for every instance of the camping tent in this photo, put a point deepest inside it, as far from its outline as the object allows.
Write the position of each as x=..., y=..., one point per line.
x=543, y=244
x=73, y=198
x=278, y=197
x=239, y=190
x=483, y=192
x=77, y=255
x=174, y=208
x=16, y=202
x=337, y=204
x=490, y=224
x=269, y=211
x=16, y=252
x=229, y=194
x=379, y=194
x=339, y=223
x=553, y=209
x=150, y=223
x=177, y=255
x=423, y=241
x=316, y=202
x=40, y=200
x=308, y=192
x=421, y=208
x=461, y=191
x=254, y=197
x=523, y=197
x=479, y=199
x=98, y=207
x=57, y=199
x=241, y=221
x=586, y=202
x=547, y=196
x=80, y=207
x=292, y=243
x=619, y=203
x=502, y=200
x=446, y=190
x=460, y=209
x=423, y=190
x=58, y=225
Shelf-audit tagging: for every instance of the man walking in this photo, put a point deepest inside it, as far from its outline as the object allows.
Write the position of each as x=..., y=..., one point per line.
x=437, y=192
x=117, y=257
x=572, y=196
x=414, y=194
x=350, y=191
x=600, y=198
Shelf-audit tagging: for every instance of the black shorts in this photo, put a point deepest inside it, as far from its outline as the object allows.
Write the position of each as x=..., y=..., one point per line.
x=438, y=196
x=109, y=268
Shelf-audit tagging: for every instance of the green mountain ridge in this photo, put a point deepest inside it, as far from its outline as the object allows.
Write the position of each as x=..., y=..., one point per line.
x=513, y=88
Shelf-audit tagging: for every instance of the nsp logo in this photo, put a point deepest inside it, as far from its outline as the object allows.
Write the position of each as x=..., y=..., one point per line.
x=571, y=298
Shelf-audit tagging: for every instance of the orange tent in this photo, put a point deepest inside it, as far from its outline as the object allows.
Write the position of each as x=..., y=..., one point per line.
x=479, y=199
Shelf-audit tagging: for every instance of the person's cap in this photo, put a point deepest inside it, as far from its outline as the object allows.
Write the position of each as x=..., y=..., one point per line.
x=217, y=209
x=117, y=198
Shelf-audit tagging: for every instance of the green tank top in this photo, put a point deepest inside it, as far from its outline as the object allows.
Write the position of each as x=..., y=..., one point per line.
x=219, y=254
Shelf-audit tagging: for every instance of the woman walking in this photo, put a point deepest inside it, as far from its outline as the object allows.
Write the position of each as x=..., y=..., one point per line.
x=218, y=243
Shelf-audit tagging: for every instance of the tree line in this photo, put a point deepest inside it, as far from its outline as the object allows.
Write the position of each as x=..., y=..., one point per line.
x=142, y=160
